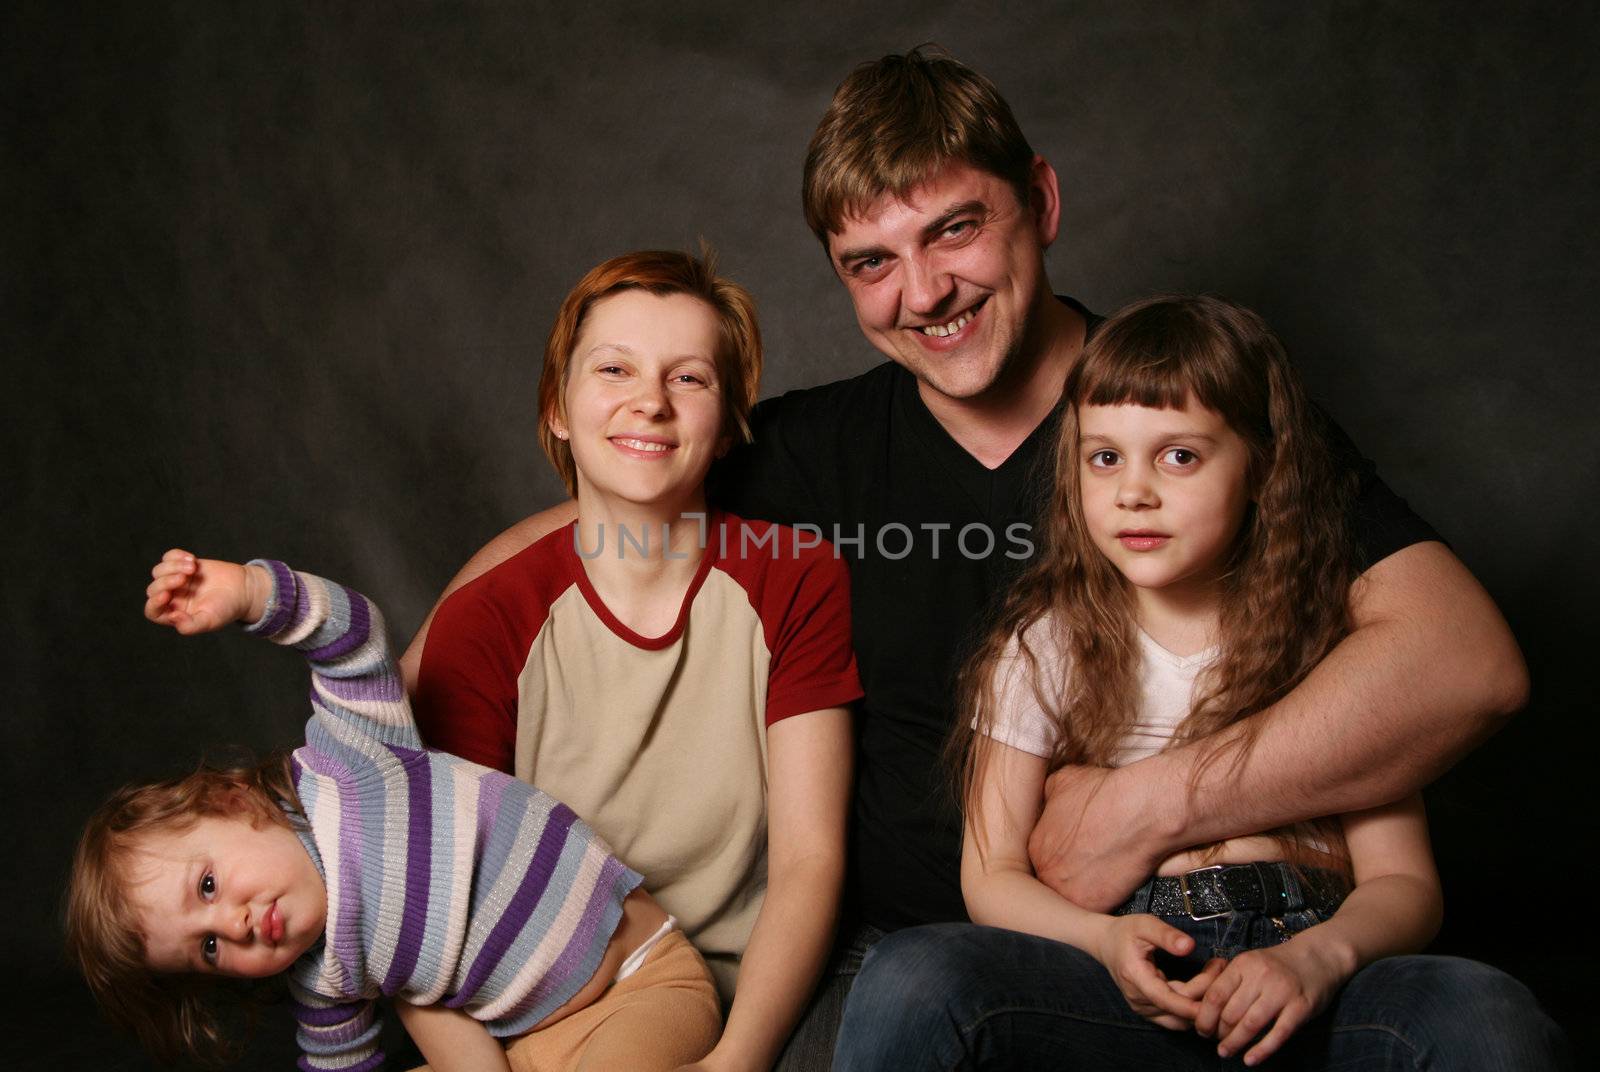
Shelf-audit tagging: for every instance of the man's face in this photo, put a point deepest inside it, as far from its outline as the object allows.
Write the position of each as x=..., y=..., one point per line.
x=947, y=281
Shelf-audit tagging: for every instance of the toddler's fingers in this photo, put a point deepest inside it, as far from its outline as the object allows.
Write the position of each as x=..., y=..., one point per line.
x=175, y=560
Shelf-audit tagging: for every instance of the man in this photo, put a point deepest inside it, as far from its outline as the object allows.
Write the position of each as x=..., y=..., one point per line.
x=935, y=213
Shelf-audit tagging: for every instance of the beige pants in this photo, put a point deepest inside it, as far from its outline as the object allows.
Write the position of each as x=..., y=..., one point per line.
x=663, y=1015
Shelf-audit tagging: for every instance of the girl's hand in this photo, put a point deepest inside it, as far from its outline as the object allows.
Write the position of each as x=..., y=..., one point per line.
x=199, y=595
x=1127, y=948
x=1283, y=986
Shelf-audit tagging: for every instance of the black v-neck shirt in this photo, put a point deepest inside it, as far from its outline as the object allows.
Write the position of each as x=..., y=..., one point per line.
x=932, y=537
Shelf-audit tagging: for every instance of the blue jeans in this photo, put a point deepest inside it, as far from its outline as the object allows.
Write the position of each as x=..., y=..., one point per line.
x=959, y=996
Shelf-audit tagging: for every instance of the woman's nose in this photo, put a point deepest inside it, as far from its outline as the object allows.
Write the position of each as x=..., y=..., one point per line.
x=651, y=399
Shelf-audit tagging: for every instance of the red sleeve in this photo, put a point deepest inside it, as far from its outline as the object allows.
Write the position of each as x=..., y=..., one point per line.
x=804, y=604
x=466, y=698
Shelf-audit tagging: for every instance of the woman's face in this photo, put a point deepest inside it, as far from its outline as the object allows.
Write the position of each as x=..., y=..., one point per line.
x=643, y=403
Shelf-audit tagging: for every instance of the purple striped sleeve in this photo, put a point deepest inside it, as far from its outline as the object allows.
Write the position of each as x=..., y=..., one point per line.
x=353, y=637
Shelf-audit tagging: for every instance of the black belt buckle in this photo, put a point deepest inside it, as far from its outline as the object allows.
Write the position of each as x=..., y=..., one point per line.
x=1183, y=891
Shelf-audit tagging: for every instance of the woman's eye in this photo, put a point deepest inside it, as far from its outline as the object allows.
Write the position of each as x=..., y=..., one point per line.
x=688, y=379
x=610, y=370
x=208, y=886
x=208, y=949
x=1180, y=456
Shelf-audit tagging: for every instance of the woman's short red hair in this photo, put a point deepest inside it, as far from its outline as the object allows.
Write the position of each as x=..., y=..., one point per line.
x=659, y=272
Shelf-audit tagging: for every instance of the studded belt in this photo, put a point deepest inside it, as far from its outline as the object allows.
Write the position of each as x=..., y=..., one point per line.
x=1209, y=892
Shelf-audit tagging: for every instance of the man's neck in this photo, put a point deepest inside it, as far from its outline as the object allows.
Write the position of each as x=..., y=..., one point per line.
x=991, y=426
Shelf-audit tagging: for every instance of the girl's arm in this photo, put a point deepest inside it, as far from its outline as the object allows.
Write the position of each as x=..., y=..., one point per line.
x=451, y=1040
x=1001, y=890
x=1429, y=670
x=1395, y=908
x=808, y=796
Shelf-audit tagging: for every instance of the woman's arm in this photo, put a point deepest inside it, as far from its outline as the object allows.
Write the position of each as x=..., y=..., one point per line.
x=1395, y=908
x=451, y=1040
x=808, y=797
x=1429, y=670
x=525, y=532
x=1000, y=889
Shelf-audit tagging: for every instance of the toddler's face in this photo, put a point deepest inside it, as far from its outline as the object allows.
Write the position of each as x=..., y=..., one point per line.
x=226, y=896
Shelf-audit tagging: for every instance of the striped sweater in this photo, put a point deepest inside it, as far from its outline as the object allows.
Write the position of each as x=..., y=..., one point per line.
x=448, y=883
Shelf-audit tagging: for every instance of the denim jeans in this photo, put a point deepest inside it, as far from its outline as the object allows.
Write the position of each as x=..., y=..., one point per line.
x=810, y=1045
x=959, y=996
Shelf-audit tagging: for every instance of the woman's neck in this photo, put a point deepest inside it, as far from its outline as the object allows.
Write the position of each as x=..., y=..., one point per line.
x=642, y=559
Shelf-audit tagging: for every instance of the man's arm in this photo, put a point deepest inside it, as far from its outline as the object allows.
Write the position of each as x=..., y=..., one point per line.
x=1428, y=672
x=512, y=540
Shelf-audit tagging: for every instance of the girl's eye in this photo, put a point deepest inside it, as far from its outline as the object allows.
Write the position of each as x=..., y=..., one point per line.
x=208, y=886
x=1101, y=459
x=1180, y=457
x=208, y=949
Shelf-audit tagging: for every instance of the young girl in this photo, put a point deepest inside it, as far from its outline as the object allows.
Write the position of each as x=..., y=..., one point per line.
x=1195, y=569
x=364, y=866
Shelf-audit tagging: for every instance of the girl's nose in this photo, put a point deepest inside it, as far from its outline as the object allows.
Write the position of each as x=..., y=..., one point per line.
x=1136, y=491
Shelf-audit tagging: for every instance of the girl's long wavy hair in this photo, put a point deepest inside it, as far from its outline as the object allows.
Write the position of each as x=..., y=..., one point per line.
x=170, y=1014
x=1287, y=579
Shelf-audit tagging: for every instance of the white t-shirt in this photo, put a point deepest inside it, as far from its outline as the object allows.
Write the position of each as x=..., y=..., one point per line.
x=1166, y=693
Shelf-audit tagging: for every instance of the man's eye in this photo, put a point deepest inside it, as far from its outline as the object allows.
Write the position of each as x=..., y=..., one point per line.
x=958, y=228
x=208, y=886
x=867, y=266
x=208, y=949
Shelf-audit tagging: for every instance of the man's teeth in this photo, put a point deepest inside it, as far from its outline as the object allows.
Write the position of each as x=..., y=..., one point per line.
x=941, y=330
x=640, y=444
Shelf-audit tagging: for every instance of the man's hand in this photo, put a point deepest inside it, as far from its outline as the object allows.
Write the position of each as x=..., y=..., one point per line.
x=1091, y=843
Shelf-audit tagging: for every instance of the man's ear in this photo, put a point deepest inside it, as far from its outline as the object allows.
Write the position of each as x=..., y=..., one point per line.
x=1044, y=200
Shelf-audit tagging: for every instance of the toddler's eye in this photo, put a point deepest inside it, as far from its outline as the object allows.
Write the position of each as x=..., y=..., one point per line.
x=208, y=886
x=208, y=949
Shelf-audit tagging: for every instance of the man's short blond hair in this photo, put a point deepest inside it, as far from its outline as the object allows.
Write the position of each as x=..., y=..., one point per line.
x=895, y=123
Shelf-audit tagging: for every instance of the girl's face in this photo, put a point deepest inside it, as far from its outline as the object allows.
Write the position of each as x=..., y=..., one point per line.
x=643, y=403
x=227, y=897
x=1164, y=491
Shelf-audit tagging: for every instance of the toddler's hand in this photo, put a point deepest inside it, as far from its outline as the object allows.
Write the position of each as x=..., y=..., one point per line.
x=199, y=595
x=1127, y=949
x=1283, y=986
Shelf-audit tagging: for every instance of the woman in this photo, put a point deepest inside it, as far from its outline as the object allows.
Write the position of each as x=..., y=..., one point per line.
x=679, y=677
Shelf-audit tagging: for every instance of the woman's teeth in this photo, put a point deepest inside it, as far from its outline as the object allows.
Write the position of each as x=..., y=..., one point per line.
x=639, y=444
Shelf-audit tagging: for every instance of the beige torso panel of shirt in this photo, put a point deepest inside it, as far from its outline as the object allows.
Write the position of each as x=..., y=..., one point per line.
x=663, y=753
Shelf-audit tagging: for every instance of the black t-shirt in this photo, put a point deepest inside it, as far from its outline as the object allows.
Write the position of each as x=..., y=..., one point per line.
x=931, y=537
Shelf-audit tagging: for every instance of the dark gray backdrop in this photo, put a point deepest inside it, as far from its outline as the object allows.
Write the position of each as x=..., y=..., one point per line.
x=276, y=283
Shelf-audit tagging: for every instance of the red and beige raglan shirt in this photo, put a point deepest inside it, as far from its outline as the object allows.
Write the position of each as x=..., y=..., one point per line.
x=658, y=743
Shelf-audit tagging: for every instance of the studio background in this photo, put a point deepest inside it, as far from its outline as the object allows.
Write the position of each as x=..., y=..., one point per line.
x=276, y=281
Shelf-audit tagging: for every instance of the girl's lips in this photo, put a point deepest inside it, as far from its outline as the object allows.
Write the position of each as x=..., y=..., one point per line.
x=1142, y=541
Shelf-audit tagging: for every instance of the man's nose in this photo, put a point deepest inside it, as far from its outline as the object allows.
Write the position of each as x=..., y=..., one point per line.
x=927, y=286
